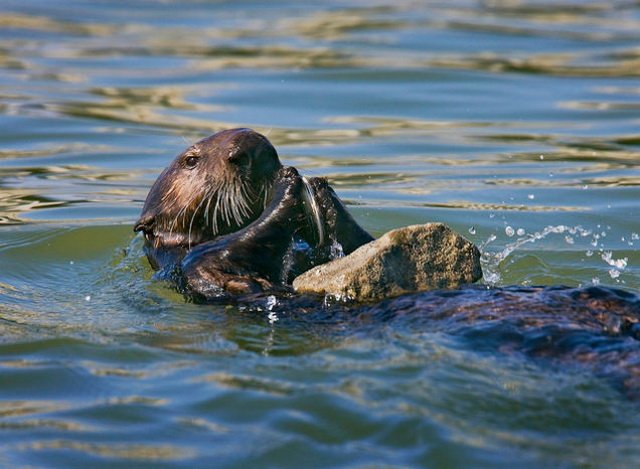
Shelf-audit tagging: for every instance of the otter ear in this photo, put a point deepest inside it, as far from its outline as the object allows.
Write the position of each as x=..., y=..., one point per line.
x=145, y=223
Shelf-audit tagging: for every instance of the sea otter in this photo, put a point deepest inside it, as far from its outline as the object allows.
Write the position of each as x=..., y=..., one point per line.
x=226, y=217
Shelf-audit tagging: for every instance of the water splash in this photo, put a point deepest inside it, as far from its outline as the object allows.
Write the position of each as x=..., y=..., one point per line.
x=491, y=260
x=336, y=249
x=271, y=303
x=621, y=264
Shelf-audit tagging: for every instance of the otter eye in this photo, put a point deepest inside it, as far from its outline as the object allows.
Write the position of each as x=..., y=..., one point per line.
x=191, y=161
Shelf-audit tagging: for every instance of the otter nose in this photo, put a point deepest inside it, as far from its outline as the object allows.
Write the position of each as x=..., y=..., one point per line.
x=145, y=224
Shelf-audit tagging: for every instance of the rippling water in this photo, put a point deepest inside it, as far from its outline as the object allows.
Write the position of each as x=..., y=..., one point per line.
x=516, y=122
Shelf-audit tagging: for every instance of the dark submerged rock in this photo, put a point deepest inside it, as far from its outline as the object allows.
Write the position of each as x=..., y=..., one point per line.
x=405, y=260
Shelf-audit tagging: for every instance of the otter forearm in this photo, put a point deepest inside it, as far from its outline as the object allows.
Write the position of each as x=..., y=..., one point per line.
x=250, y=259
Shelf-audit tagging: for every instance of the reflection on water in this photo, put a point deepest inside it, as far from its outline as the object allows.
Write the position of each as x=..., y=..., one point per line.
x=516, y=122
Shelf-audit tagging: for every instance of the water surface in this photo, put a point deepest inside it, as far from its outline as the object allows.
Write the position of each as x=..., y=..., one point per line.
x=514, y=122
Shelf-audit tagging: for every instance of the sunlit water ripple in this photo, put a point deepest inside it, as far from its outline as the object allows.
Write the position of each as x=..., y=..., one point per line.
x=514, y=122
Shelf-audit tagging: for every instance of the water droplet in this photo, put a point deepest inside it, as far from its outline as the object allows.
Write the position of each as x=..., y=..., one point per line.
x=520, y=232
x=607, y=256
x=542, y=157
x=271, y=302
x=472, y=230
x=336, y=250
x=613, y=273
x=509, y=231
x=589, y=253
x=595, y=281
x=531, y=196
x=569, y=239
x=87, y=298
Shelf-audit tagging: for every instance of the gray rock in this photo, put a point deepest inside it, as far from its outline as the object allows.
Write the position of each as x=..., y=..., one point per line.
x=410, y=259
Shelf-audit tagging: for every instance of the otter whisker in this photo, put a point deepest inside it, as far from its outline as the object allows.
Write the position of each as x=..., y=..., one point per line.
x=247, y=198
x=182, y=213
x=214, y=215
x=208, y=196
x=174, y=221
x=225, y=206
x=239, y=206
x=183, y=210
x=233, y=205
x=265, y=195
x=195, y=212
x=248, y=193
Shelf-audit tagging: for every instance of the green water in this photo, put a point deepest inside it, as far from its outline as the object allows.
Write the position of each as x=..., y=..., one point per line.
x=514, y=122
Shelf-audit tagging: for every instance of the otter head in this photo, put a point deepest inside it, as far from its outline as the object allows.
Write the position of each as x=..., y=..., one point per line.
x=215, y=187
